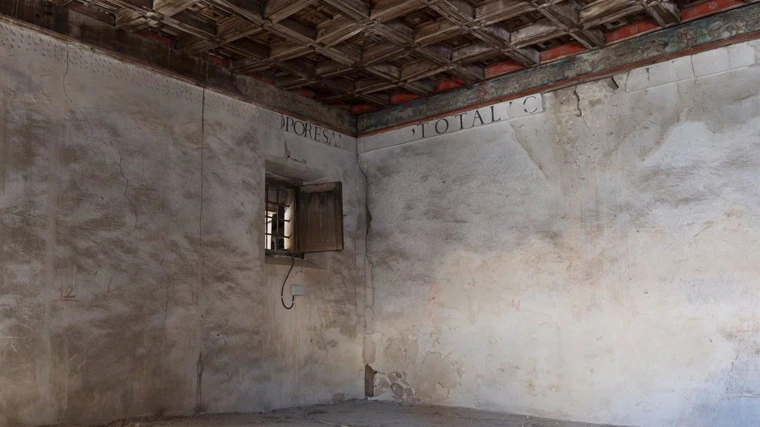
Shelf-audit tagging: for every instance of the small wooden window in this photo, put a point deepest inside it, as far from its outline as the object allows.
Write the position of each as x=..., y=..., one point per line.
x=280, y=217
x=303, y=218
x=320, y=217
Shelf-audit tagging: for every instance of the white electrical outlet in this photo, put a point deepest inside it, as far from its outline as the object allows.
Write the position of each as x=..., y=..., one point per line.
x=297, y=290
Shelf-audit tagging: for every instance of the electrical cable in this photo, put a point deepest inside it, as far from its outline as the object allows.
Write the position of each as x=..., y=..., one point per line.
x=282, y=289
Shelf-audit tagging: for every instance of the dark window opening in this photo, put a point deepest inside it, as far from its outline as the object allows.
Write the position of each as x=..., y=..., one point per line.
x=302, y=218
x=280, y=217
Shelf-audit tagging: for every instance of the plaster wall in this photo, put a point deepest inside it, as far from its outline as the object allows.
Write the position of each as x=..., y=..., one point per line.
x=132, y=274
x=595, y=262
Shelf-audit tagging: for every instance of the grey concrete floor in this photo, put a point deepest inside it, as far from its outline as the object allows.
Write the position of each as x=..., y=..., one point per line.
x=357, y=413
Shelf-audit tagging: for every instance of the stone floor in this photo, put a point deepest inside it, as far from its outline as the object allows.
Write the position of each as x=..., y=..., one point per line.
x=358, y=413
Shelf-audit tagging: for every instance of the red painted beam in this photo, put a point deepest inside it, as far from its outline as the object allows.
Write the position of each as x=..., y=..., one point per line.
x=158, y=38
x=224, y=62
x=363, y=108
x=341, y=106
x=305, y=93
x=562, y=51
x=709, y=8
x=262, y=78
x=501, y=68
x=400, y=98
x=445, y=85
x=91, y=12
x=632, y=30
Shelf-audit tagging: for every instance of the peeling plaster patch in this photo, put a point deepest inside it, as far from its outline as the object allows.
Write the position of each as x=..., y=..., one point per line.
x=393, y=387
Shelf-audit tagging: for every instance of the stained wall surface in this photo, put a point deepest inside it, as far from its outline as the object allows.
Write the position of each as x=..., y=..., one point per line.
x=132, y=273
x=595, y=262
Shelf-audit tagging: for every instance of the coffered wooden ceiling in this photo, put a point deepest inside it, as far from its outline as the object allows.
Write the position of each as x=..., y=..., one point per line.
x=363, y=53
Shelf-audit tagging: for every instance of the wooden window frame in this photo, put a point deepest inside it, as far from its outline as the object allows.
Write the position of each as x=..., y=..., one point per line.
x=293, y=186
x=316, y=216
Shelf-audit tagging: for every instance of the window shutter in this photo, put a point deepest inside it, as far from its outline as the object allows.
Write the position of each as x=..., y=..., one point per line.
x=320, y=217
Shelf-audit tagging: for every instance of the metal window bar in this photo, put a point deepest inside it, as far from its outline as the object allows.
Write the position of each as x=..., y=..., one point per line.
x=278, y=217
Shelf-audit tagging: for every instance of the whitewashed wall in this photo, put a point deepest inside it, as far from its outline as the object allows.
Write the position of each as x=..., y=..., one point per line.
x=597, y=261
x=132, y=273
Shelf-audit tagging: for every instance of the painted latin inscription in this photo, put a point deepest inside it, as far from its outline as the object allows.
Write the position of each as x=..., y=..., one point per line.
x=479, y=117
x=307, y=130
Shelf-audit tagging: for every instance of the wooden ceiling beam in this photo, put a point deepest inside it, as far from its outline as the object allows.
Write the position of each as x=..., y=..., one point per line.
x=344, y=54
x=419, y=88
x=192, y=45
x=539, y=32
x=393, y=32
x=381, y=52
x=293, y=31
x=322, y=70
x=130, y=20
x=286, y=51
x=250, y=10
x=454, y=10
x=169, y=8
x=664, y=12
x=346, y=90
x=387, y=10
x=277, y=10
x=419, y=69
x=192, y=24
x=435, y=32
x=501, y=39
x=144, y=5
x=354, y=9
x=332, y=69
x=442, y=56
x=372, y=84
x=470, y=52
x=604, y=11
x=501, y=10
x=384, y=71
x=298, y=67
x=567, y=17
x=462, y=15
x=290, y=37
x=338, y=31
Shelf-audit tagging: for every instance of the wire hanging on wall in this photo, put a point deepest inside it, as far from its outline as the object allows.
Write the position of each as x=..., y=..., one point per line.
x=282, y=289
